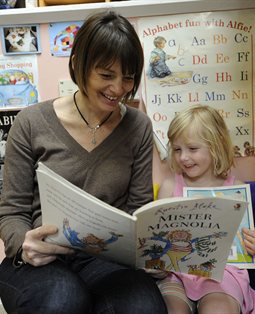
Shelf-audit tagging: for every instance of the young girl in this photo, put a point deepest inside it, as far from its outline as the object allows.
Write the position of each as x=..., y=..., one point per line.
x=201, y=155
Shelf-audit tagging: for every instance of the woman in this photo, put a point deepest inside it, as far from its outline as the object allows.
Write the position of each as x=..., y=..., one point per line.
x=86, y=138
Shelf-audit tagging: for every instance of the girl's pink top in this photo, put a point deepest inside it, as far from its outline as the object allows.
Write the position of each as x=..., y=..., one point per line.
x=235, y=281
x=180, y=184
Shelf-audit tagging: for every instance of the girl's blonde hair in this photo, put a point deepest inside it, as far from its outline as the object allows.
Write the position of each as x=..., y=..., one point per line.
x=210, y=127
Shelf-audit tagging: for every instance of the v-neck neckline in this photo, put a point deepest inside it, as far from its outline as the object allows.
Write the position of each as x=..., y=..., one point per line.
x=62, y=133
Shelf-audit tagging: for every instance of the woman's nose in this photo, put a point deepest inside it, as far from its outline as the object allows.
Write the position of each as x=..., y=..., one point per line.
x=118, y=87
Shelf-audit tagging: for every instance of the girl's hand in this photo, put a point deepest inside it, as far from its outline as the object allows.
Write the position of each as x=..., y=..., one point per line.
x=249, y=240
x=37, y=252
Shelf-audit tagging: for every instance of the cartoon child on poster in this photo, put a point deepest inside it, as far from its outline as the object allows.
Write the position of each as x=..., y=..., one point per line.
x=158, y=67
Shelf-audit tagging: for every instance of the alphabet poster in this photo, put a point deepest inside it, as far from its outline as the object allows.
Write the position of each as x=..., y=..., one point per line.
x=200, y=58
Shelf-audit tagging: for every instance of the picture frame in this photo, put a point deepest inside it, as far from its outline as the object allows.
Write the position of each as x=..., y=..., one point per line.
x=21, y=39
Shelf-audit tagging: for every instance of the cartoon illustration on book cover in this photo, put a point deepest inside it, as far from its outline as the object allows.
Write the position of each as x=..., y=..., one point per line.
x=91, y=242
x=238, y=253
x=178, y=245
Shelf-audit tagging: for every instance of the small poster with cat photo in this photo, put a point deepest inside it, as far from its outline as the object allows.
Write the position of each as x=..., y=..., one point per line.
x=20, y=39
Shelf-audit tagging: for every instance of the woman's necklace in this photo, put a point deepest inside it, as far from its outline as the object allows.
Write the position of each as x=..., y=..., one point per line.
x=92, y=129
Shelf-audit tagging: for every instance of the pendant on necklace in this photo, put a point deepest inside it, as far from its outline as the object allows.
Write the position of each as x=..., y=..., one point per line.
x=92, y=130
x=93, y=133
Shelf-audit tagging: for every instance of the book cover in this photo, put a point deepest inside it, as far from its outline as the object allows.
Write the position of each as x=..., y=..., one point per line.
x=238, y=255
x=190, y=235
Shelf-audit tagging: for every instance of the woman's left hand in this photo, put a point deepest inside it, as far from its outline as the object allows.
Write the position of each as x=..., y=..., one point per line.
x=249, y=240
x=36, y=251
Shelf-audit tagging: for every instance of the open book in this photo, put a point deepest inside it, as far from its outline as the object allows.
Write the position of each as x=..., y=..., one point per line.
x=190, y=235
x=238, y=254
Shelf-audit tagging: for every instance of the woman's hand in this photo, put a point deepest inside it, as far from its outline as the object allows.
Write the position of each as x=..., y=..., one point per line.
x=156, y=273
x=249, y=240
x=37, y=252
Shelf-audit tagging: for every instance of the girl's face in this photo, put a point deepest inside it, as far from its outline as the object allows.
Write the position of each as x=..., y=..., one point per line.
x=107, y=86
x=193, y=157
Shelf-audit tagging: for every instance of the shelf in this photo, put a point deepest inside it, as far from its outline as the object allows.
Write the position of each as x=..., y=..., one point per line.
x=132, y=8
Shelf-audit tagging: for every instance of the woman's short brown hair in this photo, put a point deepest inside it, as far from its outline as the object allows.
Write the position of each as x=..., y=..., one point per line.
x=103, y=39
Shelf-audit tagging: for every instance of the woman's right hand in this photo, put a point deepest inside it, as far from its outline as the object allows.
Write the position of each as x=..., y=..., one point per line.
x=36, y=251
x=156, y=273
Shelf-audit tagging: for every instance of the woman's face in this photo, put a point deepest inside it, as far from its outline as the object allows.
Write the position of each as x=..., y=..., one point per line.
x=107, y=86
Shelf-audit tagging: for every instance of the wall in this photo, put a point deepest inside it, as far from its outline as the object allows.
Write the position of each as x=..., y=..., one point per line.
x=51, y=69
